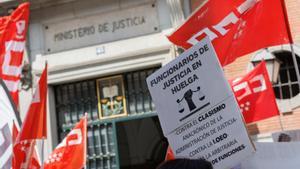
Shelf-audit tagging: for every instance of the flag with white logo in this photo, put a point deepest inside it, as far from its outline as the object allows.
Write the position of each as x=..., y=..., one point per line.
x=25, y=146
x=34, y=126
x=8, y=114
x=71, y=152
x=236, y=27
x=255, y=95
x=13, y=31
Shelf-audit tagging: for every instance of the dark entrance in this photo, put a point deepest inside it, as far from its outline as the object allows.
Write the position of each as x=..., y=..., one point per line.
x=141, y=143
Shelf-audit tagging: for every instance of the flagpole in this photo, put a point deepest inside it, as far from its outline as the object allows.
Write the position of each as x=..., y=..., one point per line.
x=42, y=157
x=291, y=41
x=32, y=144
x=280, y=122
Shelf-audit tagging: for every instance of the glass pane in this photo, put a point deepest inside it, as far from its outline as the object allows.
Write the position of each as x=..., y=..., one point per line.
x=293, y=76
x=283, y=76
x=71, y=103
x=295, y=89
x=79, y=99
x=85, y=98
x=97, y=141
x=111, y=143
x=105, y=163
x=103, y=139
x=285, y=92
x=277, y=92
x=92, y=164
x=152, y=106
x=100, y=164
x=146, y=94
x=65, y=106
x=138, y=92
x=130, y=93
x=113, y=163
x=93, y=100
x=90, y=142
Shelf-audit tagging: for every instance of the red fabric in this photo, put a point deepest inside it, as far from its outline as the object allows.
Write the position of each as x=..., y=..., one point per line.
x=15, y=133
x=25, y=155
x=34, y=126
x=13, y=30
x=255, y=95
x=261, y=25
x=170, y=154
x=71, y=152
x=21, y=151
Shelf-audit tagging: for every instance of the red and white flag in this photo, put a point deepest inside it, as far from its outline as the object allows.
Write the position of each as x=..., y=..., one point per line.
x=235, y=27
x=22, y=150
x=13, y=31
x=71, y=152
x=34, y=126
x=255, y=96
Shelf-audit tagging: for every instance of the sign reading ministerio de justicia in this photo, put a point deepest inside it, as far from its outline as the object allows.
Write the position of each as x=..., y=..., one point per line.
x=101, y=28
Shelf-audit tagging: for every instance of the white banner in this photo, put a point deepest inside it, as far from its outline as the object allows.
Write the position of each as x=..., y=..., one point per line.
x=7, y=115
x=197, y=108
x=273, y=156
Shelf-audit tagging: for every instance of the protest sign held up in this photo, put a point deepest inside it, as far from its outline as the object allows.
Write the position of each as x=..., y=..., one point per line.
x=197, y=109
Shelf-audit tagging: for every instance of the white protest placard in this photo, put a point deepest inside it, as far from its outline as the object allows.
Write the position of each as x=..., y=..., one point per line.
x=197, y=109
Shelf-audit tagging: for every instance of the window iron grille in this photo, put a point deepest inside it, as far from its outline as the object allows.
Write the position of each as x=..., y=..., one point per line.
x=72, y=100
x=287, y=86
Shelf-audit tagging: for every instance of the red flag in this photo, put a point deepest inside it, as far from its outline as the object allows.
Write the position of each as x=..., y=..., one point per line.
x=13, y=30
x=22, y=155
x=170, y=155
x=255, y=95
x=235, y=27
x=34, y=126
x=71, y=152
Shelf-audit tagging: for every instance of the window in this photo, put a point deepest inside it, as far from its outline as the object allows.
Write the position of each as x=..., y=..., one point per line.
x=138, y=97
x=130, y=89
x=287, y=85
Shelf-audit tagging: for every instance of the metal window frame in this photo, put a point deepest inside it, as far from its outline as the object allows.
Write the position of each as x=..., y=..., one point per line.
x=288, y=67
x=94, y=123
x=113, y=122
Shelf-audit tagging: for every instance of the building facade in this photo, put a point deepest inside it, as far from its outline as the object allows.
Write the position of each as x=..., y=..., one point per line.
x=99, y=53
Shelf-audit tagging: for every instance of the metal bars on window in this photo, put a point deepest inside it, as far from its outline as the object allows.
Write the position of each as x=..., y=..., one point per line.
x=101, y=147
x=74, y=99
x=287, y=85
x=137, y=94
